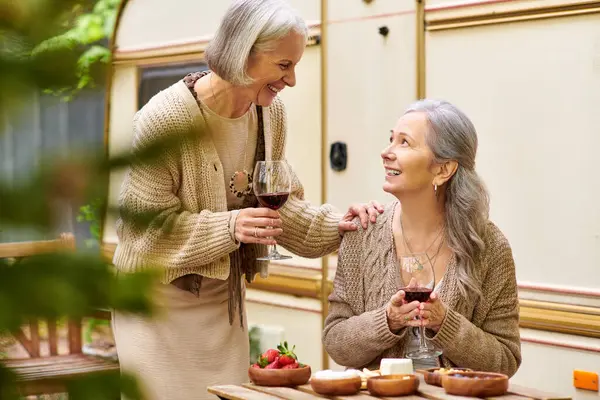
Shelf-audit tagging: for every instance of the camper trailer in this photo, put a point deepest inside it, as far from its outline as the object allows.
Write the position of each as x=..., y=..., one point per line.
x=526, y=71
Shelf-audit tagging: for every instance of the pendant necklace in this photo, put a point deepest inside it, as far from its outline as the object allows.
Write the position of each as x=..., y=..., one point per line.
x=240, y=183
x=433, y=259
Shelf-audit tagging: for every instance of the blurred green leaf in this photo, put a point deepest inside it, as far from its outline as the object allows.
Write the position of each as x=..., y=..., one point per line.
x=76, y=283
x=104, y=386
x=95, y=386
x=58, y=46
x=32, y=202
x=7, y=384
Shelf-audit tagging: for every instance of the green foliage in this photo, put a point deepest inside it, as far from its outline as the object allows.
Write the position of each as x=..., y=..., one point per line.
x=254, y=338
x=76, y=283
x=91, y=213
x=56, y=45
x=88, y=31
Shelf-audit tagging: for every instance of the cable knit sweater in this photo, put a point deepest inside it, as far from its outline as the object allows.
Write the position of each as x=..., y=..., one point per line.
x=483, y=335
x=185, y=190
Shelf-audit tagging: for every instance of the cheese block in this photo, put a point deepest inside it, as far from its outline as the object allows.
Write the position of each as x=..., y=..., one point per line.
x=395, y=366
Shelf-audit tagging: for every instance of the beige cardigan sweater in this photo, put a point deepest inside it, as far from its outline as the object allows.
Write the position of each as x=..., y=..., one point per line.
x=483, y=335
x=185, y=189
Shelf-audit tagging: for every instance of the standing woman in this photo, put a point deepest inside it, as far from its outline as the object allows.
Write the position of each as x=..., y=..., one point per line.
x=206, y=231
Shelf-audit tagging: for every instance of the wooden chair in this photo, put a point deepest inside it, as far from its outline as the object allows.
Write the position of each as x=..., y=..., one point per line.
x=46, y=371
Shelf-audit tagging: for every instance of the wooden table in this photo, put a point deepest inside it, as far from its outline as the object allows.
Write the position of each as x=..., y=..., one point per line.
x=248, y=391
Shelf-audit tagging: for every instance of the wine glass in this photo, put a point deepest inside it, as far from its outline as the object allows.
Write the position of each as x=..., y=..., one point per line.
x=419, y=279
x=272, y=183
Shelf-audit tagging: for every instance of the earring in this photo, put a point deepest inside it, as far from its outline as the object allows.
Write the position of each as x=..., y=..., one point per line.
x=435, y=189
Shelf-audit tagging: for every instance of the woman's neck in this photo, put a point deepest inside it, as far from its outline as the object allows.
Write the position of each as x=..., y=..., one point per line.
x=222, y=97
x=421, y=217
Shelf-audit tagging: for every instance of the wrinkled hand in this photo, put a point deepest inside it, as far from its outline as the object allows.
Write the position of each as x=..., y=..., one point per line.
x=366, y=212
x=258, y=225
x=432, y=313
x=400, y=313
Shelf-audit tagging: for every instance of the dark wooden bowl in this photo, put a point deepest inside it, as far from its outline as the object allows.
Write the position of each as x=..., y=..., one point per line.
x=279, y=377
x=433, y=377
x=475, y=384
x=336, y=387
x=392, y=385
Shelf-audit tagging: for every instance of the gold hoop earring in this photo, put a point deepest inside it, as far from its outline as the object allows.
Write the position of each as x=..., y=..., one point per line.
x=435, y=190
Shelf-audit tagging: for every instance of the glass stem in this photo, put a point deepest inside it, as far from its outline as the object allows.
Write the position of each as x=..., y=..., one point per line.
x=274, y=251
x=422, y=345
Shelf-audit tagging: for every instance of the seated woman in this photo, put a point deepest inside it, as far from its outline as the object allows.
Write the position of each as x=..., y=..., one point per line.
x=442, y=210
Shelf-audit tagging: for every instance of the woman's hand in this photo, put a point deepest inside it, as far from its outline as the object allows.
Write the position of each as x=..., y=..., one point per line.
x=257, y=225
x=366, y=212
x=432, y=313
x=400, y=313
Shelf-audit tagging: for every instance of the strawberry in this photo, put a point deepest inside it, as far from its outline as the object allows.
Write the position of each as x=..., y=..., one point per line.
x=256, y=365
x=291, y=366
x=286, y=356
x=274, y=365
x=262, y=362
x=271, y=355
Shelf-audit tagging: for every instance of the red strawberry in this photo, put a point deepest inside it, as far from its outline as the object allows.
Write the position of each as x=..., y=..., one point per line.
x=262, y=362
x=255, y=365
x=274, y=365
x=271, y=355
x=287, y=360
x=287, y=356
x=291, y=366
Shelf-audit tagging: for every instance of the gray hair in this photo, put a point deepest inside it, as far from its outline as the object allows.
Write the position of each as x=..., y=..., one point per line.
x=452, y=136
x=248, y=27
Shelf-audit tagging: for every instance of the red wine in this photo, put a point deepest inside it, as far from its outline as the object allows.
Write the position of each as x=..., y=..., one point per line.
x=419, y=294
x=274, y=201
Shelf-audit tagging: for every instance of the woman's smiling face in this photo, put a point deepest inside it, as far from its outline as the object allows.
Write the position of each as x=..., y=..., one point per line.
x=274, y=69
x=408, y=160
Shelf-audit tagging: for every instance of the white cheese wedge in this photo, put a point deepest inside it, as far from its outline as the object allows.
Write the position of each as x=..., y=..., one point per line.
x=395, y=366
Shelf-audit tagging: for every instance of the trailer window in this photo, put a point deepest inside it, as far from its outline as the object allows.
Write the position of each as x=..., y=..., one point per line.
x=155, y=79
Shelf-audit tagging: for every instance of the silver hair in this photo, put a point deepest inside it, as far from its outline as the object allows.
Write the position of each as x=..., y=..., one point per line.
x=452, y=136
x=249, y=27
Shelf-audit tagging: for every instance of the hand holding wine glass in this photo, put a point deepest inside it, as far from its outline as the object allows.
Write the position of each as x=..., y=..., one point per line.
x=272, y=184
x=399, y=313
x=433, y=312
x=250, y=226
x=417, y=270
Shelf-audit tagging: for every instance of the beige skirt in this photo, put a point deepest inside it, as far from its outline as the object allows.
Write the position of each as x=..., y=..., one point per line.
x=188, y=346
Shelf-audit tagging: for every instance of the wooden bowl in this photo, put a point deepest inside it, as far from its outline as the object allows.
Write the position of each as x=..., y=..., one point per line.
x=336, y=387
x=433, y=377
x=475, y=384
x=392, y=385
x=279, y=377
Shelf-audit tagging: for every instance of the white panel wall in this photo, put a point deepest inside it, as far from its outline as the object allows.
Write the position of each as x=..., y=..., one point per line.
x=551, y=368
x=358, y=9
x=371, y=80
x=532, y=90
x=150, y=23
x=123, y=105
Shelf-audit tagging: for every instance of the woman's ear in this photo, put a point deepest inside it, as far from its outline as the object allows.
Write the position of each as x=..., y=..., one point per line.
x=445, y=172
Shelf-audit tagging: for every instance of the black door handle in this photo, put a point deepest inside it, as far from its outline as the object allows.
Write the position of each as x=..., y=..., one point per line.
x=338, y=156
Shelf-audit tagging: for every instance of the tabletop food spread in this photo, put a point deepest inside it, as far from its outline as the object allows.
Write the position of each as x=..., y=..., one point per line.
x=279, y=374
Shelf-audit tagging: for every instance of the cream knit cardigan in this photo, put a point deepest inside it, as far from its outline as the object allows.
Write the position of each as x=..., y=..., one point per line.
x=184, y=190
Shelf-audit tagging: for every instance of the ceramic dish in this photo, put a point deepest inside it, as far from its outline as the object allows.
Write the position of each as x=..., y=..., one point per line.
x=475, y=384
x=279, y=377
x=336, y=386
x=392, y=385
x=433, y=376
